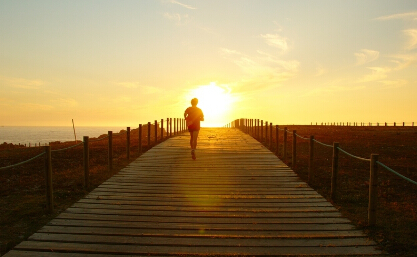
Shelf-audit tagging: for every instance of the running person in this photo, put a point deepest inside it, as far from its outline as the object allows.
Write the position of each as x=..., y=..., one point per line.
x=193, y=115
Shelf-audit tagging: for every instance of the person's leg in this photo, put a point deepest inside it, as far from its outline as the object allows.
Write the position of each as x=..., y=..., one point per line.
x=191, y=140
x=194, y=139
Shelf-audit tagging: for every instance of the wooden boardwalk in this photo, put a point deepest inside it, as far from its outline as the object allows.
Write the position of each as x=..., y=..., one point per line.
x=236, y=199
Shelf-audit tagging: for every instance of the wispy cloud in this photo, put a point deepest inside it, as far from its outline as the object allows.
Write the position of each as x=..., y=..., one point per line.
x=403, y=61
x=394, y=83
x=412, y=42
x=263, y=71
x=377, y=73
x=333, y=89
x=366, y=56
x=31, y=107
x=178, y=18
x=65, y=102
x=277, y=41
x=21, y=82
x=320, y=70
x=407, y=15
x=143, y=89
x=128, y=84
x=183, y=5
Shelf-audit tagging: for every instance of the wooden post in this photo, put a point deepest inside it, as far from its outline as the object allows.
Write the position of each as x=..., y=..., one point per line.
x=270, y=135
x=335, y=169
x=170, y=127
x=140, y=138
x=294, y=149
x=86, y=163
x=257, y=129
x=110, y=156
x=266, y=133
x=277, y=138
x=262, y=131
x=285, y=144
x=373, y=190
x=149, y=134
x=310, y=160
x=156, y=132
x=162, y=129
x=48, y=180
x=175, y=127
x=167, y=127
x=128, y=143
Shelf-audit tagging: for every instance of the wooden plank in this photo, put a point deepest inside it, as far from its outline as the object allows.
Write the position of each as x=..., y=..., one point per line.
x=196, y=241
x=181, y=250
x=170, y=224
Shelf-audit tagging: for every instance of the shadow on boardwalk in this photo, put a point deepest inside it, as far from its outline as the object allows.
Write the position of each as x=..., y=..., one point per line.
x=237, y=198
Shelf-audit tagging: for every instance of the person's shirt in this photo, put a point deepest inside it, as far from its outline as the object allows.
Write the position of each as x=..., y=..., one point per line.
x=195, y=115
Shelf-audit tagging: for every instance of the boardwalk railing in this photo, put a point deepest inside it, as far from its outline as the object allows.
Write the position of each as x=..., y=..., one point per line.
x=174, y=126
x=256, y=128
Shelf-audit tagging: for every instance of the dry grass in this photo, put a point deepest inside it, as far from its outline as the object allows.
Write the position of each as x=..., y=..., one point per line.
x=397, y=198
x=22, y=194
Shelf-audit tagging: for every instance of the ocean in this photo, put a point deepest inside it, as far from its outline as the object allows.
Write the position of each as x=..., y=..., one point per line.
x=44, y=135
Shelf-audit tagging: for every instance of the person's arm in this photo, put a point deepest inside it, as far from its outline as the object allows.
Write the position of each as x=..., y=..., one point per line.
x=185, y=114
x=202, y=116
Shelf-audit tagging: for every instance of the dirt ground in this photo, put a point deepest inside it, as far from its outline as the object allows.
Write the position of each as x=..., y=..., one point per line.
x=22, y=194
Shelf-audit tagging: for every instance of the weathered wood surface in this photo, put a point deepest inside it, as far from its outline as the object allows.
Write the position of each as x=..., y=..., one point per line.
x=237, y=199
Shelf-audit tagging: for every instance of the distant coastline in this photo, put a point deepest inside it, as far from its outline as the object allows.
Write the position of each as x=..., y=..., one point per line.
x=46, y=134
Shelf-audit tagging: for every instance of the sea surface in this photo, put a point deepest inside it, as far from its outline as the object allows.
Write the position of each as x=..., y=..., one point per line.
x=45, y=135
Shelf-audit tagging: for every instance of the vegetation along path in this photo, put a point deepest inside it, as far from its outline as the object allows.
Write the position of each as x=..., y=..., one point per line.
x=236, y=198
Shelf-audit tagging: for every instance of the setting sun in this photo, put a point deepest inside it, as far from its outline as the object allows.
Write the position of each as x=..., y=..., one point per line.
x=215, y=101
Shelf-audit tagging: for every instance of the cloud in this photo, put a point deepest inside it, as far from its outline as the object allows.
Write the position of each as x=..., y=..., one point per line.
x=66, y=102
x=403, y=60
x=183, y=5
x=394, y=83
x=277, y=41
x=378, y=73
x=35, y=107
x=229, y=51
x=366, y=56
x=290, y=65
x=402, y=16
x=412, y=43
x=333, y=89
x=130, y=85
x=178, y=18
x=320, y=70
x=21, y=82
x=150, y=90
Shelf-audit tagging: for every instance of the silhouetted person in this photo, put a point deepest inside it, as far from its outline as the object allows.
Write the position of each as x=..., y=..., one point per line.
x=193, y=115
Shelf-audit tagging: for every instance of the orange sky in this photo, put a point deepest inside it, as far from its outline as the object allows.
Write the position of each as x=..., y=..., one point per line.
x=130, y=62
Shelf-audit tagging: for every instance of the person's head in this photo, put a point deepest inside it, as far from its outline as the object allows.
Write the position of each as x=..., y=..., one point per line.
x=194, y=102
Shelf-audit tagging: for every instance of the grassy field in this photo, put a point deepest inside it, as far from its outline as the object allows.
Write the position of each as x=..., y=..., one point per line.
x=22, y=194
x=397, y=198
x=22, y=200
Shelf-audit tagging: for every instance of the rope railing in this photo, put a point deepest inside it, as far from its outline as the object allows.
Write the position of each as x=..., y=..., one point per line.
x=256, y=130
x=353, y=156
x=323, y=144
x=396, y=173
x=20, y=163
x=57, y=150
x=174, y=126
x=305, y=138
x=99, y=139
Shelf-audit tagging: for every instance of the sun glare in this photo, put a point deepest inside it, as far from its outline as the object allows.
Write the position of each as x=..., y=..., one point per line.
x=215, y=101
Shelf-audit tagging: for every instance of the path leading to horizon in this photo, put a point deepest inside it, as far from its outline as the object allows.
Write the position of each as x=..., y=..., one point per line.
x=237, y=199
